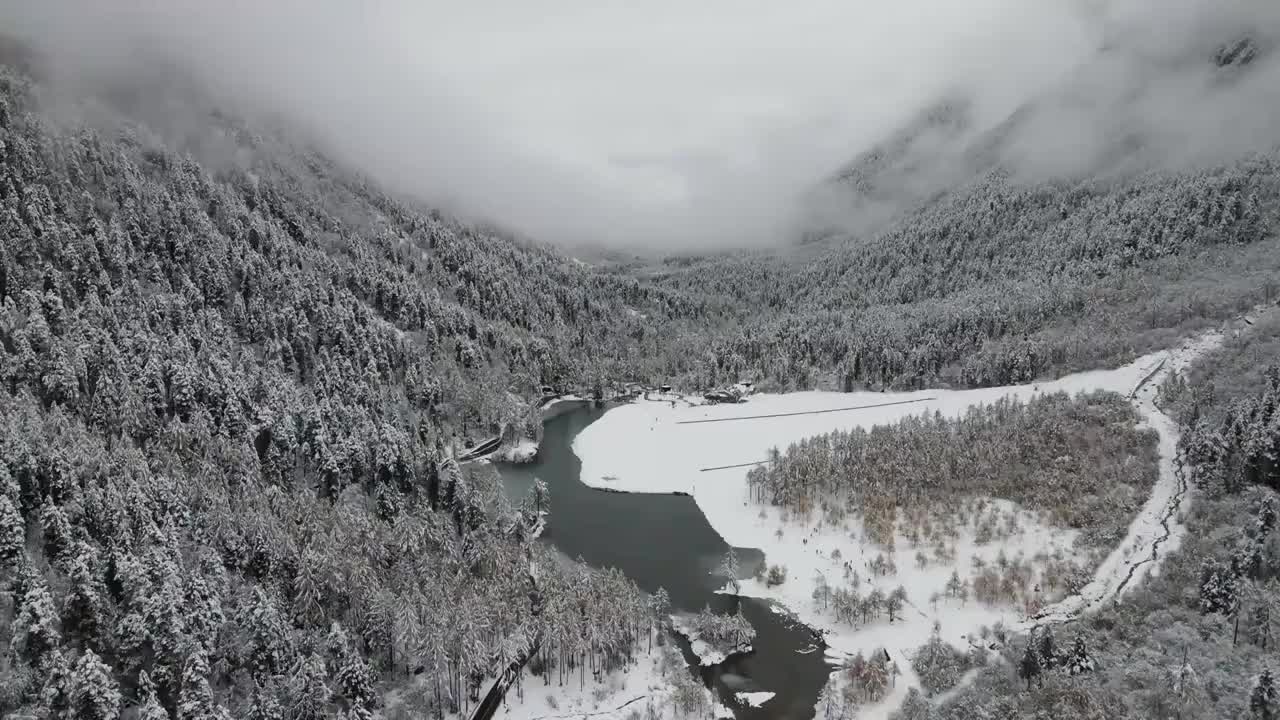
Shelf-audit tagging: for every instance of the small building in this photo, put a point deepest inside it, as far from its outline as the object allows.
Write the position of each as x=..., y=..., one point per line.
x=723, y=396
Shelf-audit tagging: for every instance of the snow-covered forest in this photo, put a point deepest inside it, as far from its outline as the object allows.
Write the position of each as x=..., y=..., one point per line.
x=236, y=378
x=1198, y=640
x=1081, y=462
x=231, y=399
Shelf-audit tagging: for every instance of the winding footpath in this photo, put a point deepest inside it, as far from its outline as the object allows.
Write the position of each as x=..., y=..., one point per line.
x=1157, y=527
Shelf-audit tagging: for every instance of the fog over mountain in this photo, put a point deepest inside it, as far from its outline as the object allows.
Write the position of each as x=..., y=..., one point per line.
x=665, y=125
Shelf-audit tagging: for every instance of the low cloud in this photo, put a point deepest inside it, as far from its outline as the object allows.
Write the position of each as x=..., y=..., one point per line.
x=671, y=125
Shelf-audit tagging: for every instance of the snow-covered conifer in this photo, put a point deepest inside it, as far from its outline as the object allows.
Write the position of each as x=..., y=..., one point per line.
x=1078, y=659
x=57, y=530
x=92, y=690
x=84, y=612
x=1218, y=591
x=1046, y=647
x=936, y=663
x=12, y=533
x=1029, y=667
x=36, y=632
x=149, y=707
x=915, y=707
x=728, y=569
x=1263, y=703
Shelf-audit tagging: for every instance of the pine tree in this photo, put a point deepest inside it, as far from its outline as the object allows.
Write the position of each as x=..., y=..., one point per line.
x=57, y=530
x=1046, y=647
x=268, y=648
x=1268, y=513
x=1260, y=622
x=1247, y=559
x=875, y=678
x=1262, y=701
x=541, y=496
x=954, y=584
x=1185, y=689
x=914, y=707
x=55, y=695
x=355, y=682
x=660, y=606
x=893, y=604
x=729, y=569
x=1217, y=588
x=36, y=632
x=84, y=613
x=265, y=706
x=12, y=533
x=936, y=663
x=828, y=704
x=308, y=689
x=149, y=707
x=1079, y=661
x=195, y=698
x=93, y=692
x=1029, y=667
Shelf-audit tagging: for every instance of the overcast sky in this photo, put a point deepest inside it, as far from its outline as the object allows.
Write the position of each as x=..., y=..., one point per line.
x=661, y=123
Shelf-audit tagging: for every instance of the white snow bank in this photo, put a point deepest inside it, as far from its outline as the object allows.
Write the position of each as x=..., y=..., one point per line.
x=707, y=653
x=522, y=452
x=648, y=683
x=754, y=699
x=561, y=405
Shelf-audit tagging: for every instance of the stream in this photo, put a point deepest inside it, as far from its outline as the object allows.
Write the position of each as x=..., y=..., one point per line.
x=664, y=541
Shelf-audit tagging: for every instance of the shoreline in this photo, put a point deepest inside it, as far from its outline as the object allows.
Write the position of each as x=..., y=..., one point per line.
x=527, y=449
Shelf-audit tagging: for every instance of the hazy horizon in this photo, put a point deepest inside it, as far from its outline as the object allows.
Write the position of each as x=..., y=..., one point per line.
x=666, y=126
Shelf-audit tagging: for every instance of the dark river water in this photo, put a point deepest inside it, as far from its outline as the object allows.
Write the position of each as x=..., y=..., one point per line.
x=664, y=541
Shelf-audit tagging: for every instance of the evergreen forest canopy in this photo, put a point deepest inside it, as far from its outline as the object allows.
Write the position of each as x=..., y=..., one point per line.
x=235, y=375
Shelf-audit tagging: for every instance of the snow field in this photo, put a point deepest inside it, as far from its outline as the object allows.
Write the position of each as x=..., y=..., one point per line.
x=649, y=682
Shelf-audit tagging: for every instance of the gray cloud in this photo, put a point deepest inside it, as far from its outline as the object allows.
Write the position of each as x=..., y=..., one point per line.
x=668, y=124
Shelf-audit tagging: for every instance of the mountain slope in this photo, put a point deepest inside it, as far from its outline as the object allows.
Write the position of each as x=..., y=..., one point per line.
x=231, y=397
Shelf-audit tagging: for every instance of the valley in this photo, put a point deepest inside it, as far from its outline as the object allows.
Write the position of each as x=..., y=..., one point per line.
x=989, y=427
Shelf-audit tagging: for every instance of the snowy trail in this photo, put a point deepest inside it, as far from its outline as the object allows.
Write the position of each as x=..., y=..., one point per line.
x=1156, y=528
x=656, y=448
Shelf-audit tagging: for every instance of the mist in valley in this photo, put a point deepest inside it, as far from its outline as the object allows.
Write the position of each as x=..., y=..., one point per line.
x=666, y=126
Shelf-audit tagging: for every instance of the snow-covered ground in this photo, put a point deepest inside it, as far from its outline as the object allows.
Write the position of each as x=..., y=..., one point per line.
x=561, y=405
x=648, y=683
x=665, y=447
x=653, y=681
x=707, y=653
